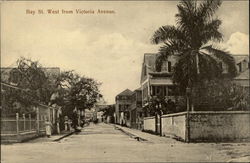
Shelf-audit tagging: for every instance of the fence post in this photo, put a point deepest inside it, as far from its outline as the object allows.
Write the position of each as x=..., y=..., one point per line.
x=23, y=122
x=37, y=120
x=17, y=127
x=30, y=121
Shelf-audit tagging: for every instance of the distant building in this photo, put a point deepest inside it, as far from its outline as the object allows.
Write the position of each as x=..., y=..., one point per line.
x=122, y=103
x=109, y=113
x=136, y=116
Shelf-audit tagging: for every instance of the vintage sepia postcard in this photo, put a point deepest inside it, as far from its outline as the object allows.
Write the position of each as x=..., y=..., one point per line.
x=125, y=81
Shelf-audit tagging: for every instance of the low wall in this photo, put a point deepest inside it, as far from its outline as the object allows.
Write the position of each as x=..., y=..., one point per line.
x=149, y=124
x=174, y=125
x=219, y=126
x=14, y=138
x=214, y=126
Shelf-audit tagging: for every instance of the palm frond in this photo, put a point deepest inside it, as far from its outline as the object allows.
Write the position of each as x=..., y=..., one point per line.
x=210, y=31
x=166, y=33
x=183, y=18
x=164, y=52
x=173, y=47
x=189, y=5
x=207, y=9
x=185, y=70
x=225, y=57
x=209, y=67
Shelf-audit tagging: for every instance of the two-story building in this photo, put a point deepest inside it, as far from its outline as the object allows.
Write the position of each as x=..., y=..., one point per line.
x=122, y=104
x=136, y=116
x=157, y=83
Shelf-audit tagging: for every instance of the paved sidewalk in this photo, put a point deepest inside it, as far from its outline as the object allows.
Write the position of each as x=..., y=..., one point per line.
x=52, y=138
x=137, y=134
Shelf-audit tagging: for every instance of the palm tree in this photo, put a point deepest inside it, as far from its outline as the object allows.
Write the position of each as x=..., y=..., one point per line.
x=191, y=42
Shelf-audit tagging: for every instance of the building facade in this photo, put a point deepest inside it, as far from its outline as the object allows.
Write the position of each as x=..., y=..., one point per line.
x=136, y=116
x=157, y=83
x=122, y=107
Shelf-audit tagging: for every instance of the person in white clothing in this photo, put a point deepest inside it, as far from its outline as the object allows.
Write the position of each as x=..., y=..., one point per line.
x=48, y=127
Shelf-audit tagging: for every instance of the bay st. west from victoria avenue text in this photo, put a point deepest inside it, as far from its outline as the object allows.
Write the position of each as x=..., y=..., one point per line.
x=64, y=11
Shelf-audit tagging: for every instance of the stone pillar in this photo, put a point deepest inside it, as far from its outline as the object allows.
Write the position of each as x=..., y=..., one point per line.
x=24, y=127
x=17, y=127
x=37, y=121
x=30, y=121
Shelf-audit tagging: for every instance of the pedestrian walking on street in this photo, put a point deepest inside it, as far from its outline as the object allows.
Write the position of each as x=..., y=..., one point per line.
x=48, y=127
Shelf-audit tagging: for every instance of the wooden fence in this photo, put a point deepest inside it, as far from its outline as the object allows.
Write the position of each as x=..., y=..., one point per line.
x=19, y=128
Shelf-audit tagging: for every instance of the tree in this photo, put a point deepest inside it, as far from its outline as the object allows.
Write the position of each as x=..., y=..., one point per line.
x=221, y=95
x=32, y=86
x=77, y=92
x=191, y=42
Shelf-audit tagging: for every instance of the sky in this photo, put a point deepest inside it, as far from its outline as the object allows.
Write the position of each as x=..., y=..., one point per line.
x=106, y=47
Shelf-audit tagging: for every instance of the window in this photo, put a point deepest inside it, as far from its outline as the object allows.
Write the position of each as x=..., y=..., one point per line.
x=153, y=90
x=165, y=91
x=14, y=76
x=220, y=65
x=145, y=70
x=240, y=67
x=169, y=67
x=164, y=66
x=159, y=90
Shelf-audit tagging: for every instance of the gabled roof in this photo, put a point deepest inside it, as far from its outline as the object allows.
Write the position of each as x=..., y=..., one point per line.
x=240, y=58
x=138, y=89
x=126, y=92
x=148, y=64
x=149, y=61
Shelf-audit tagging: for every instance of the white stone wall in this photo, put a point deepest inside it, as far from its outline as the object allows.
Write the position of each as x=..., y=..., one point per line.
x=149, y=123
x=174, y=124
x=219, y=126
